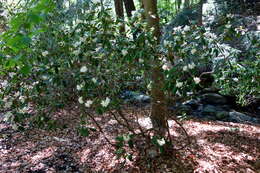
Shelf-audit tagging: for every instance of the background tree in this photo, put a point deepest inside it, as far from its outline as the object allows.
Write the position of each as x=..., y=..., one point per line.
x=119, y=9
x=129, y=7
x=159, y=108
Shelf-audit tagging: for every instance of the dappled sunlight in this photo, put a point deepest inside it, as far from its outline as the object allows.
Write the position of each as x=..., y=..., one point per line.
x=223, y=147
x=47, y=152
x=145, y=122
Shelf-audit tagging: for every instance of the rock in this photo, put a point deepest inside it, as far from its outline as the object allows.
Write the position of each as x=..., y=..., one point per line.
x=142, y=98
x=209, y=110
x=222, y=115
x=194, y=104
x=135, y=97
x=241, y=118
x=213, y=98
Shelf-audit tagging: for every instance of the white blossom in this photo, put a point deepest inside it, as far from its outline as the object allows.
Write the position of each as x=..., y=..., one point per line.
x=4, y=84
x=196, y=80
x=179, y=84
x=124, y=52
x=83, y=69
x=45, y=53
x=12, y=74
x=153, y=16
x=177, y=28
x=94, y=80
x=79, y=87
x=167, y=66
x=228, y=26
x=186, y=28
x=191, y=66
x=166, y=43
x=80, y=100
x=161, y=142
x=235, y=79
x=106, y=102
x=88, y=103
x=141, y=60
x=185, y=68
x=193, y=51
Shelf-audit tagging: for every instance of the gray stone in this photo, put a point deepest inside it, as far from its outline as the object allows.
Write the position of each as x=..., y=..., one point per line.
x=241, y=118
x=135, y=97
x=194, y=104
x=213, y=98
x=142, y=98
x=209, y=110
x=222, y=115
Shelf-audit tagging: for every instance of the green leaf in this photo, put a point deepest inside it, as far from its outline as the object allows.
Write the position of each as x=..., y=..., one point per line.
x=26, y=69
x=10, y=63
x=34, y=18
x=83, y=131
x=131, y=143
x=130, y=157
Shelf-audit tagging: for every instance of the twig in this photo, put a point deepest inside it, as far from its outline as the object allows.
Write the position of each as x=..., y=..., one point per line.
x=126, y=121
x=99, y=127
x=188, y=137
x=121, y=123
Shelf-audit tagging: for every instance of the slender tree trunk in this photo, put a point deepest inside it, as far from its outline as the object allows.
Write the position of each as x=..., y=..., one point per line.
x=159, y=107
x=200, y=17
x=119, y=12
x=186, y=3
x=129, y=7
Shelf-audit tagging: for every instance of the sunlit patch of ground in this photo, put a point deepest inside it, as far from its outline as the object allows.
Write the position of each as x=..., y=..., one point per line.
x=215, y=147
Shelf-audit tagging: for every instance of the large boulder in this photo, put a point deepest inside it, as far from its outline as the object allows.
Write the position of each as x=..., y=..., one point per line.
x=241, y=118
x=213, y=98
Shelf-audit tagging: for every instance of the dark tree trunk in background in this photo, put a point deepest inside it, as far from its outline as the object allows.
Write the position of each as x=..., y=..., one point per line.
x=119, y=8
x=186, y=3
x=200, y=12
x=159, y=107
x=179, y=4
x=129, y=7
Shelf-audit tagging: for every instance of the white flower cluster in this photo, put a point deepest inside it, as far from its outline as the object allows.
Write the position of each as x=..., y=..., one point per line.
x=167, y=43
x=106, y=102
x=88, y=103
x=161, y=142
x=196, y=80
x=45, y=53
x=83, y=69
x=189, y=66
x=179, y=84
x=167, y=66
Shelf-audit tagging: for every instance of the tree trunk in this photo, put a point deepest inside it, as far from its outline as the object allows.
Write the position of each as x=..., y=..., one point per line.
x=129, y=7
x=159, y=107
x=200, y=17
x=120, y=12
x=186, y=3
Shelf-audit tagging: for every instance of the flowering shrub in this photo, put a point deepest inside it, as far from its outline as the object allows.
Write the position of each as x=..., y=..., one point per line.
x=48, y=60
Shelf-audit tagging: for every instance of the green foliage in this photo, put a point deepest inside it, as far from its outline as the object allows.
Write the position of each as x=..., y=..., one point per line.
x=51, y=56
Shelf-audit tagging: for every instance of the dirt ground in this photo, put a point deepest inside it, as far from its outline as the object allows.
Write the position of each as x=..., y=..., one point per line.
x=215, y=147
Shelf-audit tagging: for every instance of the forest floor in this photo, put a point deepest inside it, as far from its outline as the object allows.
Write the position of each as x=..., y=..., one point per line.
x=215, y=147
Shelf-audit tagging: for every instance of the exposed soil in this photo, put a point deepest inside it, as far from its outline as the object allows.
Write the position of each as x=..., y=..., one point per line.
x=215, y=147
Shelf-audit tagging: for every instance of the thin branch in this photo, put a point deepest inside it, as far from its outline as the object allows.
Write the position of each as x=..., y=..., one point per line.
x=99, y=127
